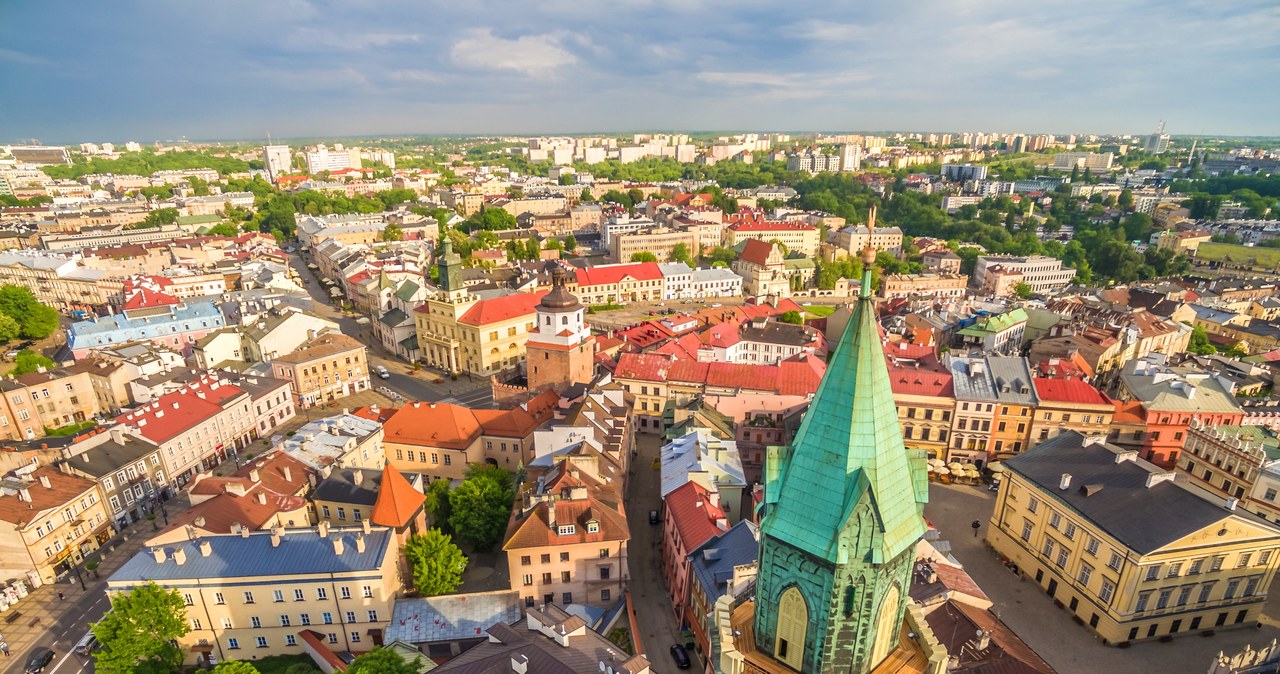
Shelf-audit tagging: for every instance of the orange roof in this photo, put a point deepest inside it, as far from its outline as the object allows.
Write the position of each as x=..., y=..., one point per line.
x=144, y=298
x=499, y=309
x=432, y=425
x=397, y=502
x=756, y=251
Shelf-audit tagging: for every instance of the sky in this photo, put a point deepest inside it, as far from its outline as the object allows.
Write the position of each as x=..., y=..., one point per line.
x=80, y=71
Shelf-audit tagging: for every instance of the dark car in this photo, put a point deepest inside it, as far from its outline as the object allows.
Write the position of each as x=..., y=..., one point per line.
x=681, y=656
x=653, y=517
x=40, y=658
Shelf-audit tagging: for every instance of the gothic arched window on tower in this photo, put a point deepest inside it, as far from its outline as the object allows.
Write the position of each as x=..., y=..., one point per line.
x=793, y=623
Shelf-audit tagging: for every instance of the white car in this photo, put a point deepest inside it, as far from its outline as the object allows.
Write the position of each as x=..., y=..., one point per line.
x=382, y=372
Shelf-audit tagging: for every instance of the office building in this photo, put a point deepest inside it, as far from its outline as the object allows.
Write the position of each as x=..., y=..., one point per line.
x=277, y=160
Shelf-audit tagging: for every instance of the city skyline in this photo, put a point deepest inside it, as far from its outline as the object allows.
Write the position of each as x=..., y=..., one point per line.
x=148, y=71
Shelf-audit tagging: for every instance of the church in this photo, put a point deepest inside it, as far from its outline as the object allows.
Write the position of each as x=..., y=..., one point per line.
x=843, y=511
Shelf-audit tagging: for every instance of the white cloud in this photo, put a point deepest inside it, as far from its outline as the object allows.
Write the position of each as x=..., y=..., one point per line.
x=348, y=40
x=534, y=55
x=19, y=57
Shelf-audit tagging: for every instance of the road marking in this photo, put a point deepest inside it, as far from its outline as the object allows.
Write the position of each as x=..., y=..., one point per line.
x=64, y=659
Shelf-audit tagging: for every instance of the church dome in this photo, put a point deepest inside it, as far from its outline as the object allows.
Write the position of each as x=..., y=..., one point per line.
x=559, y=299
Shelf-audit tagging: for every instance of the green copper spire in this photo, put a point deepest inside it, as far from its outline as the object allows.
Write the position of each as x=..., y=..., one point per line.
x=450, y=266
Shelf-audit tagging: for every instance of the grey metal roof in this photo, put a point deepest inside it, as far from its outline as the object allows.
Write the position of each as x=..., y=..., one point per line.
x=341, y=487
x=452, y=617
x=1012, y=379
x=111, y=455
x=971, y=378
x=712, y=562
x=1142, y=518
x=301, y=552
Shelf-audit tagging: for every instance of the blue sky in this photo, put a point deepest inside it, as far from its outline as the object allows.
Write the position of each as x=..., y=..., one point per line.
x=73, y=71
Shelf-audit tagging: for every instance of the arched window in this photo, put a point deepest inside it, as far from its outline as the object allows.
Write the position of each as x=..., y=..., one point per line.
x=886, y=626
x=793, y=623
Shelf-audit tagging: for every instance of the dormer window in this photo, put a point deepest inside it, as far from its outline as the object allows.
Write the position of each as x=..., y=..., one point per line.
x=593, y=526
x=566, y=529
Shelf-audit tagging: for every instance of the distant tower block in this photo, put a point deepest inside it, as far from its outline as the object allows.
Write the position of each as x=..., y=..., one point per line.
x=561, y=351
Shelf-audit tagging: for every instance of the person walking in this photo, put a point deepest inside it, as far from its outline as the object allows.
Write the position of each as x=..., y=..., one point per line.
x=4, y=648
x=976, y=525
x=60, y=595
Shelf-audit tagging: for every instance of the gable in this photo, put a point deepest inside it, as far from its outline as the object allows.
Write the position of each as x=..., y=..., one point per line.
x=1233, y=529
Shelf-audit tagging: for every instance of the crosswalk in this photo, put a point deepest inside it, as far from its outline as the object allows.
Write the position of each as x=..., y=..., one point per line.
x=477, y=398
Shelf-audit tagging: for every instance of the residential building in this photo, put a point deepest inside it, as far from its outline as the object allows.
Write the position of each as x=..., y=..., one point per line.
x=127, y=468
x=395, y=326
x=321, y=158
x=760, y=341
x=441, y=440
x=898, y=286
x=551, y=641
x=1167, y=401
x=712, y=462
x=999, y=334
x=36, y=403
x=798, y=237
x=567, y=541
x=976, y=404
x=267, y=492
x=1043, y=274
x=924, y=395
x=387, y=498
x=619, y=283
x=1238, y=462
x=1090, y=523
x=49, y=521
x=852, y=240
x=1016, y=404
x=657, y=240
x=329, y=367
x=1069, y=405
x=263, y=592
x=343, y=440
x=942, y=261
x=277, y=160
x=281, y=331
x=711, y=282
x=58, y=281
x=177, y=325
x=691, y=516
x=722, y=567
x=445, y=626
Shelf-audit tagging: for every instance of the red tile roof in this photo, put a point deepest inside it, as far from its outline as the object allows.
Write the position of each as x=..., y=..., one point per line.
x=143, y=298
x=921, y=381
x=693, y=515
x=432, y=425
x=63, y=487
x=1069, y=391
x=770, y=226
x=499, y=309
x=756, y=251
x=532, y=530
x=787, y=378
x=176, y=413
x=398, y=502
x=611, y=274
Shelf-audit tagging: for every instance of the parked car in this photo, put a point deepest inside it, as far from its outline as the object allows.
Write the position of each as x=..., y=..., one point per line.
x=681, y=656
x=40, y=658
x=382, y=372
x=653, y=517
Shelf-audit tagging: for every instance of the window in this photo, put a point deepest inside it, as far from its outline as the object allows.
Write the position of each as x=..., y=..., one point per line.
x=345, y=592
x=1092, y=546
x=1244, y=560
x=546, y=559
x=325, y=511
x=1184, y=595
x=1162, y=601
x=1205, y=590
x=333, y=638
x=226, y=623
x=1264, y=557
x=355, y=637
x=528, y=579
x=326, y=618
x=284, y=620
x=1070, y=533
x=1026, y=530
x=564, y=556
x=564, y=577
x=248, y=597
x=290, y=640
x=255, y=621
x=1114, y=562
x=355, y=514
x=218, y=598
x=1086, y=572
x=373, y=616
x=605, y=595
x=567, y=597
x=186, y=599
x=233, y=644
x=1055, y=520
x=1216, y=564
x=1174, y=570
x=1033, y=505
x=277, y=595
x=262, y=642
x=1062, y=557
x=1251, y=586
x=366, y=591
x=1232, y=586
x=1270, y=495
x=1143, y=598
x=351, y=616
x=1195, y=567
x=297, y=595
x=322, y=593
x=342, y=513
x=304, y=618
x=525, y=561
x=546, y=578
x=1108, y=590
x=195, y=624
x=593, y=527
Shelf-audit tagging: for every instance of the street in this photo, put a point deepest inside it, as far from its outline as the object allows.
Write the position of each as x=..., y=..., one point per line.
x=644, y=560
x=1069, y=647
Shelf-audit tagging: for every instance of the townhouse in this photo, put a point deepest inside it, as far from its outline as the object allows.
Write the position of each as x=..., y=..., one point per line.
x=36, y=403
x=329, y=367
x=49, y=520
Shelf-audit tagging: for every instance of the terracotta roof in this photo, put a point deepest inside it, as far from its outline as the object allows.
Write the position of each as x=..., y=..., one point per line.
x=693, y=515
x=613, y=273
x=531, y=530
x=770, y=226
x=271, y=474
x=1069, y=391
x=325, y=345
x=756, y=251
x=1129, y=413
x=521, y=421
x=223, y=511
x=175, y=413
x=791, y=377
x=921, y=381
x=499, y=309
x=398, y=502
x=381, y=415
x=432, y=425
x=63, y=487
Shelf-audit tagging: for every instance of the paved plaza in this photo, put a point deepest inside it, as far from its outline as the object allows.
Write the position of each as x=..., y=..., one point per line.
x=1069, y=647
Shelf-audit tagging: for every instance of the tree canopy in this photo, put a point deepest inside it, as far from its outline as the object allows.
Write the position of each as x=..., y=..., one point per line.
x=35, y=320
x=140, y=632
x=30, y=361
x=792, y=317
x=1199, y=342
x=481, y=506
x=235, y=667
x=644, y=256
x=382, y=661
x=437, y=563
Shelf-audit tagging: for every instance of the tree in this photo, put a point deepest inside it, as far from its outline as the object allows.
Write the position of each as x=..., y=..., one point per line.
x=571, y=243
x=792, y=316
x=586, y=195
x=1199, y=343
x=35, y=320
x=680, y=253
x=9, y=328
x=1023, y=290
x=140, y=632
x=437, y=504
x=721, y=254
x=436, y=562
x=644, y=256
x=392, y=232
x=30, y=361
x=481, y=506
x=223, y=229
x=235, y=667
x=156, y=218
x=382, y=661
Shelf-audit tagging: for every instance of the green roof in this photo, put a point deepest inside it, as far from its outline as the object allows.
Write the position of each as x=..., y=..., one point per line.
x=406, y=291
x=198, y=219
x=798, y=263
x=996, y=324
x=1255, y=435
x=850, y=445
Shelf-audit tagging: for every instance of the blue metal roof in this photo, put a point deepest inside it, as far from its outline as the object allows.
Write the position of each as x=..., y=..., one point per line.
x=301, y=552
x=712, y=562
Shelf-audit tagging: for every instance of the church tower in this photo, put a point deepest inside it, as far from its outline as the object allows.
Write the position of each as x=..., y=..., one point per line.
x=450, y=265
x=843, y=512
x=560, y=351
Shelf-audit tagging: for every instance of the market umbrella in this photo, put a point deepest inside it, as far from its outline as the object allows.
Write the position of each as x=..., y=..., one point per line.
x=995, y=467
x=955, y=466
x=944, y=471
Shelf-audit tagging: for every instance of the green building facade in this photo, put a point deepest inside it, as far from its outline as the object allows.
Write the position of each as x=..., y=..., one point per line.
x=843, y=512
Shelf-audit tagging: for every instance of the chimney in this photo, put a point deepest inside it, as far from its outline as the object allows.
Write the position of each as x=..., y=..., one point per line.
x=85, y=456
x=275, y=538
x=262, y=497
x=180, y=556
x=1065, y=482
x=551, y=513
x=366, y=526
x=199, y=521
x=24, y=494
x=288, y=475
x=1154, y=479
x=323, y=529
x=1232, y=503
x=205, y=549
x=44, y=482
x=360, y=543
x=337, y=545
x=244, y=531
x=519, y=664
x=357, y=476
x=158, y=553
x=255, y=476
